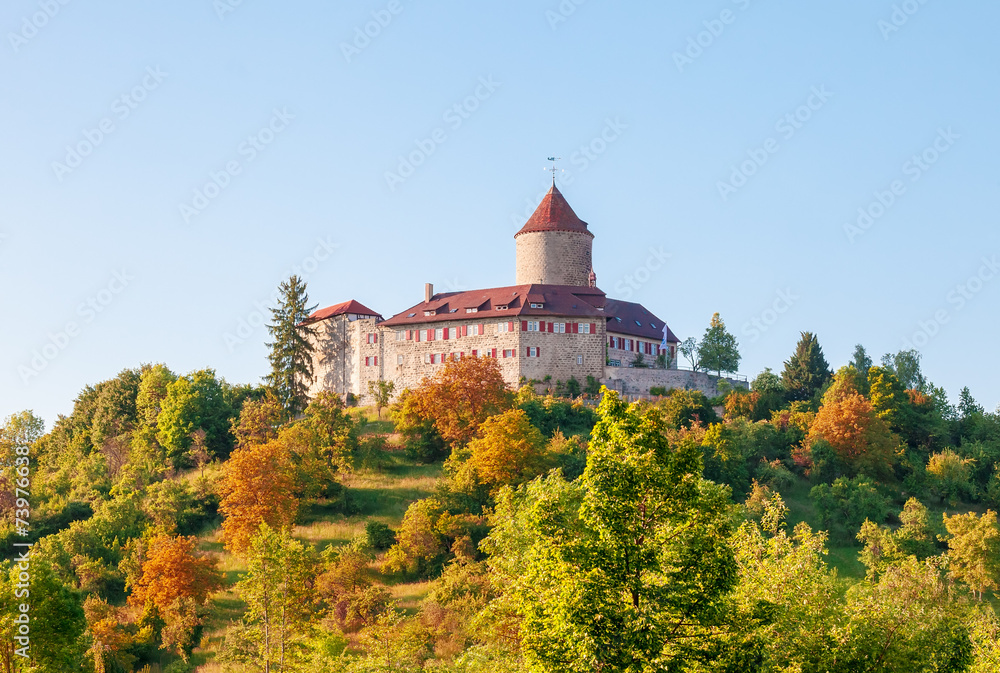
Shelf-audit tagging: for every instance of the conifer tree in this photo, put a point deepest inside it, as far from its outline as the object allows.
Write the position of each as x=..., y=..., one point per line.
x=291, y=350
x=807, y=371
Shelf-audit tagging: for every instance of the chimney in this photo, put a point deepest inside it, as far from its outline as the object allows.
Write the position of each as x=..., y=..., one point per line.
x=428, y=291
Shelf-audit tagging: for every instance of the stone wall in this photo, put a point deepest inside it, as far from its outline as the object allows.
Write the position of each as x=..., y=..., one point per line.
x=339, y=355
x=559, y=354
x=554, y=258
x=631, y=381
x=404, y=361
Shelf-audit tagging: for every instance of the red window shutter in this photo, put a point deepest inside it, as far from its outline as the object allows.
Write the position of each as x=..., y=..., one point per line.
x=510, y=326
x=576, y=328
x=505, y=353
x=376, y=337
x=465, y=330
x=527, y=351
x=376, y=361
x=445, y=333
x=430, y=335
x=524, y=325
x=482, y=330
x=494, y=354
x=538, y=352
x=593, y=328
x=408, y=335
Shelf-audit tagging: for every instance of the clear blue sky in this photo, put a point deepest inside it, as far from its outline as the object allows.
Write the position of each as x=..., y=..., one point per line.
x=186, y=89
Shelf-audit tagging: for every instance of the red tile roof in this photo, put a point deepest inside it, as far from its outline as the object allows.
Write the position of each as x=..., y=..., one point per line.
x=351, y=306
x=561, y=300
x=626, y=317
x=554, y=214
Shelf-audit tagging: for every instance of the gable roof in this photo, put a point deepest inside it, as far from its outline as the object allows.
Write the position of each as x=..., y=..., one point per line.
x=626, y=317
x=561, y=300
x=350, y=306
x=554, y=214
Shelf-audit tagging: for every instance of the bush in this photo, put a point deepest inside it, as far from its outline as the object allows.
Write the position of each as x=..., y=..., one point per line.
x=593, y=387
x=658, y=391
x=774, y=475
x=380, y=536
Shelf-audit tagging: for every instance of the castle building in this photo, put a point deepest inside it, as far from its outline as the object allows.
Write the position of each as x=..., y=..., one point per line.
x=553, y=324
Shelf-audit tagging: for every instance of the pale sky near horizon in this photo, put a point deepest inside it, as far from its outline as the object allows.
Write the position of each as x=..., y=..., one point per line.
x=164, y=165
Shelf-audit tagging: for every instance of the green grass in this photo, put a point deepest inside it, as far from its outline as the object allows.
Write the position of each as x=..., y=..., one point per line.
x=842, y=555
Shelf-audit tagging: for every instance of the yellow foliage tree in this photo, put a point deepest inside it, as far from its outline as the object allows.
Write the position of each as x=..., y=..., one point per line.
x=509, y=450
x=974, y=550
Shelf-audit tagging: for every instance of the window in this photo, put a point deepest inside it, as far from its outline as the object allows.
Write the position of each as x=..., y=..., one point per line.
x=532, y=351
x=559, y=327
x=439, y=333
x=399, y=359
x=400, y=335
x=457, y=356
x=434, y=358
x=410, y=315
x=638, y=324
x=474, y=330
x=454, y=310
x=585, y=328
x=579, y=359
x=472, y=310
x=532, y=325
x=427, y=358
x=428, y=312
x=502, y=307
x=503, y=327
x=508, y=353
x=373, y=337
x=371, y=361
x=538, y=306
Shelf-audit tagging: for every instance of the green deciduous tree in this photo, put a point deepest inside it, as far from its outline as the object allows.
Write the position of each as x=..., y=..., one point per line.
x=381, y=392
x=862, y=362
x=807, y=371
x=627, y=570
x=719, y=349
x=196, y=401
x=291, y=351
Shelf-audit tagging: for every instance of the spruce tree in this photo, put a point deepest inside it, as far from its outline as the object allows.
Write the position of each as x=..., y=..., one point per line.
x=862, y=362
x=719, y=349
x=291, y=351
x=807, y=371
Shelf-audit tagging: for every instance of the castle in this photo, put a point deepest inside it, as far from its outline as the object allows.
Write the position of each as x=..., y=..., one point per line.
x=552, y=325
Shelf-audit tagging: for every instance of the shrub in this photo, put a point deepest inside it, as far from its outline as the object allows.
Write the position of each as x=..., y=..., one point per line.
x=380, y=536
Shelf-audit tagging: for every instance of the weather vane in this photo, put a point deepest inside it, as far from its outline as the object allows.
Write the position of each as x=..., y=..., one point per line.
x=554, y=170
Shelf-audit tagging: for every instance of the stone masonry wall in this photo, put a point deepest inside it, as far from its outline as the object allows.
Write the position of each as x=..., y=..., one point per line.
x=414, y=367
x=554, y=258
x=558, y=353
x=633, y=381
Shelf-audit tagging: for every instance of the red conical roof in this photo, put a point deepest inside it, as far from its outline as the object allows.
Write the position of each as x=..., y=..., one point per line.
x=554, y=214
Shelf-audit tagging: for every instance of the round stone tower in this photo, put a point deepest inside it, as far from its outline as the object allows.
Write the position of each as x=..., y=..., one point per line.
x=554, y=247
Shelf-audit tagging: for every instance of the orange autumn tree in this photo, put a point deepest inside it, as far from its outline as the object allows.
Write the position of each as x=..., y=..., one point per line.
x=461, y=396
x=177, y=580
x=257, y=486
x=852, y=427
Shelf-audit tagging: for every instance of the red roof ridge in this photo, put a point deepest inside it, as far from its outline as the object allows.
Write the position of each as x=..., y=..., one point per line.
x=554, y=214
x=349, y=306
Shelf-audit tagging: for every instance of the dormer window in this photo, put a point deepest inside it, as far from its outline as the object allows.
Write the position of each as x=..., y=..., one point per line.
x=537, y=305
x=428, y=312
x=472, y=310
x=501, y=308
